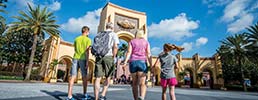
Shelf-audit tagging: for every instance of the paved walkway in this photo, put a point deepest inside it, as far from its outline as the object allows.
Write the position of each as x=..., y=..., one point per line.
x=47, y=91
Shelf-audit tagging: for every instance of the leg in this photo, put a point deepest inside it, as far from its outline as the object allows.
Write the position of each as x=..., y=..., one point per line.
x=73, y=74
x=70, y=85
x=172, y=92
x=135, y=86
x=97, y=87
x=85, y=84
x=163, y=84
x=105, y=86
x=164, y=89
x=84, y=69
x=142, y=80
x=108, y=70
x=98, y=74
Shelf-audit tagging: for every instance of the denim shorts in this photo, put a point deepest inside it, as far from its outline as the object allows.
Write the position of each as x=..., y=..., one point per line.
x=138, y=66
x=76, y=64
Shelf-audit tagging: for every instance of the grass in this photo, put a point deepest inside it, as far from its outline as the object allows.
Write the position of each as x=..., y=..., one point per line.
x=10, y=77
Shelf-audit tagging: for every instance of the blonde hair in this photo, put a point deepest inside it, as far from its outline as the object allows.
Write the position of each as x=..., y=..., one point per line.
x=139, y=34
x=169, y=47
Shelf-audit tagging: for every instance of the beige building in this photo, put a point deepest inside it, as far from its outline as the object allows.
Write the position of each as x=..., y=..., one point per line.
x=126, y=22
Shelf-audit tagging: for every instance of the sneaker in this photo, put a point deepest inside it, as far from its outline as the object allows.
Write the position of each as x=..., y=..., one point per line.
x=70, y=98
x=102, y=98
x=86, y=97
x=140, y=98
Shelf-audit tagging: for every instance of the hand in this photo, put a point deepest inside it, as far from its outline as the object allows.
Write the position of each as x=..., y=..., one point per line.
x=115, y=60
x=123, y=63
x=152, y=69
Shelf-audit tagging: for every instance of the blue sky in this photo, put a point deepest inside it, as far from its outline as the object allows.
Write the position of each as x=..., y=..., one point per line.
x=197, y=25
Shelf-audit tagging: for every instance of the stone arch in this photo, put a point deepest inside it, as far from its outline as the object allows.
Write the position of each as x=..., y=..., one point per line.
x=91, y=68
x=63, y=69
x=189, y=72
x=66, y=56
x=209, y=74
x=206, y=66
x=124, y=35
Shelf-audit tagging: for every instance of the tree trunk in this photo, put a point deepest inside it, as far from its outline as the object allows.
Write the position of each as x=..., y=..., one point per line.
x=24, y=71
x=33, y=50
x=14, y=66
x=1, y=62
x=242, y=73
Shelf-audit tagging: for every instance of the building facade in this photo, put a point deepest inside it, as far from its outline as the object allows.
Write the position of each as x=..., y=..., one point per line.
x=192, y=72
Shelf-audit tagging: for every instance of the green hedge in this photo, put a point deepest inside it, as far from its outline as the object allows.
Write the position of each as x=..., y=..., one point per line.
x=240, y=87
x=5, y=73
x=10, y=77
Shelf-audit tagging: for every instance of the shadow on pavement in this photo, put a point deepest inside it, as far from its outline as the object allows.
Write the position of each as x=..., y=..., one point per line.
x=56, y=94
x=61, y=95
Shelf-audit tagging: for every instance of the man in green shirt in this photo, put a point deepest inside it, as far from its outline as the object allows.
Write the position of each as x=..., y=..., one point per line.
x=80, y=59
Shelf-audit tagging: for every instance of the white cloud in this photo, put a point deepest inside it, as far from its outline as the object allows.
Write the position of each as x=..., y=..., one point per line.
x=238, y=15
x=254, y=6
x=156, y=51
x=21, y=4
x=201, y=41
x=234, y=9
x=55, y=6
x=241, y=23
x=14, y=6
x=214, y=3
x=176, y=28
x=188, y=46
x=90, y=19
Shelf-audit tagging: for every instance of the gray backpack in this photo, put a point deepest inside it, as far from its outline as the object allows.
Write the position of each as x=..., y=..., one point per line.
x=100, y=45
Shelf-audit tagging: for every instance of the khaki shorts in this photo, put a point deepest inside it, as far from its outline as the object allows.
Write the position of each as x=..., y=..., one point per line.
x=104, y=66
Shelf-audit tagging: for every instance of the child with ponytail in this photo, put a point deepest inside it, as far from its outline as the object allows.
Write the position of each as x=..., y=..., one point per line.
x=168, y=63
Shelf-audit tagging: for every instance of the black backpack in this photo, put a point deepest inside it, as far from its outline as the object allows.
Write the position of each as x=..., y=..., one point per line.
x=100, y=45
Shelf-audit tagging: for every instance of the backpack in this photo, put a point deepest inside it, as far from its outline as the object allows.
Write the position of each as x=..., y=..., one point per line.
x=100, y=45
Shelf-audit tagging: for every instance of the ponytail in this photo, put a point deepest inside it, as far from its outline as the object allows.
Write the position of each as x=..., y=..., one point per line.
x=169, y=47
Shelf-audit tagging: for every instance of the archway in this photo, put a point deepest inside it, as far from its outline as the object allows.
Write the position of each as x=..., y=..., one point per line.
x=90, y=72
x=188, y=78
x=124, y=35
x=207, y=78
x=122, y=75
x=63, y=70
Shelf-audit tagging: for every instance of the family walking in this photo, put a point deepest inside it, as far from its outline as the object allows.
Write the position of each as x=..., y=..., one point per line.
x=105, y=47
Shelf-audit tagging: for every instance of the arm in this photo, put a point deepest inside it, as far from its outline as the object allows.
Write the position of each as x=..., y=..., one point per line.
x=155, y=64
x=149, y=55
x=176, y=65
x=153, y=67
x=115, y=45
x=115, y=49
x=129, y=52
x=87, y=55
x=87, y=52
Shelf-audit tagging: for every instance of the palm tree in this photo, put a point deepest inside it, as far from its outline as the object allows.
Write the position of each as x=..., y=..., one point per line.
x=38, y=21
x=52, y=68
x=235, y=46
x=122, y=50
x=253, y=39
x=2, y=10
x=3, y=28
